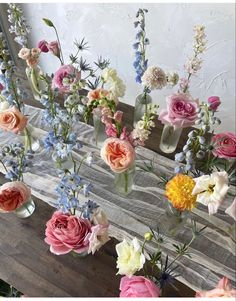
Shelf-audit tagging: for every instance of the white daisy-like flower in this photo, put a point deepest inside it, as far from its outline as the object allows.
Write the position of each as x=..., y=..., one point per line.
x=211, y=190
x=154, y=78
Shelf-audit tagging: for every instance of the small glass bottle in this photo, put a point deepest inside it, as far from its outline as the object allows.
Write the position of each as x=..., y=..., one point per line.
x=169, y=139
x=36, y=84
x=141, y=103
x=29, y=139
x=62, y=163
x=124, y=181
x=26, y=209
x=99, y=130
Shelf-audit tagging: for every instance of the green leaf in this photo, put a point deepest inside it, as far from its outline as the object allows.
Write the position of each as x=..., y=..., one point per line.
x=48, y=22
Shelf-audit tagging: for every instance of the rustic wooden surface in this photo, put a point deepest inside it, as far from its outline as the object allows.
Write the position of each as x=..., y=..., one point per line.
x=27, y=264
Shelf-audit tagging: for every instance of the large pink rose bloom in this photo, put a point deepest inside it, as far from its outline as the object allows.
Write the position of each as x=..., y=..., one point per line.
x=181, y=111
x=138, y=286
x=223, y=289
x=118, y=154
x=65, y=233
x=224, y=145
x=64, y=77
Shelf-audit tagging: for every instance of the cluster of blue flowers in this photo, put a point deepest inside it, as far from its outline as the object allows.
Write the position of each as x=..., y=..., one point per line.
x=15, y=161
x=70, y=190
x=197, y=149
x=19, y=27
x=140, y=64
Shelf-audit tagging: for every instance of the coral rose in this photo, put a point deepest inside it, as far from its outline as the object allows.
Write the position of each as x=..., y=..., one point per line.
x=223, y=289
x=97, y=94
x=181, y=111
x=66, y=233
x=224, y=145
x=138, y=286
x=118, y=154
x=13, y=195
x=12, y=120
x=64, y=77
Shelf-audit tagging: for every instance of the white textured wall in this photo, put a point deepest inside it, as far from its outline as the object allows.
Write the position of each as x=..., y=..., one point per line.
x=110, y=32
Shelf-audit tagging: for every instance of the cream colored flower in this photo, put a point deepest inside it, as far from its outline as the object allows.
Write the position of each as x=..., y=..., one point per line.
x=211, y=190
x=130, y=257
x=4, y=105
x=24, y=53
x=154, y=78
x=99, y=217
x=98, y=237
x=172, y=78
x=116, y=85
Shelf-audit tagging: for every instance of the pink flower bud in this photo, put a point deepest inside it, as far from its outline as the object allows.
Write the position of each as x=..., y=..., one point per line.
x=214, y=102
x=54, y=48
x=43, y=46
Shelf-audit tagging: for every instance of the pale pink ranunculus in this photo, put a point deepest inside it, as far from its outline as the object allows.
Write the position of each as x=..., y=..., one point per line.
x=68, y=73
x=54, y=48
x=231, y=210
x=35, y=52
x=118, y=116
x=180, y=112
x=32, y=61
x=12, y=120
x=24, y=53
x=98, y=237
x=223, y=289
x=13, y=195
x=42, y=45
x=1, y=87
x=66, y=233
x=118, y=154
x=224, y=145
x=214, y=102
x=138, y=286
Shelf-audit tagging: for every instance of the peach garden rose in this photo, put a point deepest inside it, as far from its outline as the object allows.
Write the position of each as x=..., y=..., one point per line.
x=12, y=120
x=223, y=289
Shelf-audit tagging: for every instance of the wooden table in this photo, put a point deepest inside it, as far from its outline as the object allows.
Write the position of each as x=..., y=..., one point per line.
x=27, y=264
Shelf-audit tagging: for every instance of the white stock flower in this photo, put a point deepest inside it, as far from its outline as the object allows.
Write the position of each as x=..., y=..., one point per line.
x=116, y=85
x=231, y=210
x=172, y=78
x=211, y=190
x=130, y=257
x=154, y=78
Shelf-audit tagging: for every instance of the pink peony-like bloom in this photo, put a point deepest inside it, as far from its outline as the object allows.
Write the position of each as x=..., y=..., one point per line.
x=66, y=233
x=54, y=48
x=231, y=210
x=13, y=195
x=1, y=87
x=223, y=289
x=138, y=286
x=12, y=120
x=64, y=77
x=42, y=45
x=118, y=154
x=214, y=102
x=99, y=236
x=181, y=111
x=224, y=145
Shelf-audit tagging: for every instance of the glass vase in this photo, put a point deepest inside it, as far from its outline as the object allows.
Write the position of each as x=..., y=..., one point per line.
x=28, y=137
x=62, y=163
x=26, y=209
x=172, y=221
x=99, y=130
x=169, y=139
x=124, y=181
x=36, y=84
x=141, y=103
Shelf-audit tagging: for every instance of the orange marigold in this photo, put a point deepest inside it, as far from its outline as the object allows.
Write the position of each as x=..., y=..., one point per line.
x=179, y=192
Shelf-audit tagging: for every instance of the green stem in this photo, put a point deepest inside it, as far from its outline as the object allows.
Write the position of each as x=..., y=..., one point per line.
x=4, y=166
x=28, y=140
x=61, y=58
x=126, y=175
x=34, y=80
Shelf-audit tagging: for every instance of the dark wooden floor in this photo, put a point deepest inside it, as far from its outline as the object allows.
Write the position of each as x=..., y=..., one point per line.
x=27, y=264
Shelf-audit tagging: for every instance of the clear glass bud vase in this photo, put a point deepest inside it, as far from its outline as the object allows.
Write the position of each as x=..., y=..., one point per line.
x=99, y=130
x=141, y=103
x=36, y=84
x=62, y=163
x=169, y=139
x=28, y=137
x=26, y=209
x=172, y=221
x=124, y=181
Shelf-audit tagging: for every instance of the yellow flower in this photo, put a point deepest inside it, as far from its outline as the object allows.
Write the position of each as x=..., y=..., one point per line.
x=179, y=192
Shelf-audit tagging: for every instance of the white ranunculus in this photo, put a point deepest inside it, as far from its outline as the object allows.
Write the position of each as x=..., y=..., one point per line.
x=115, y=84
x=130, y=257
x=98, y=237
x=211, y=190
x=231, y=210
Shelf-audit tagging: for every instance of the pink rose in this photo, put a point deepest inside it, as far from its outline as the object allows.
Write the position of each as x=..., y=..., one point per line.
x=24, y=53
x=214, y=102
x=13, y=195
x=66, y=233
x=12, y=120
x=1, y=87
x=118, y=154
x=54, y=48
x=99, y=236
x=224, y=145
x=223, y=289
x=231, y=210
x=181, y=111
x=64, y=77
x=42, y=45
x=138, y=286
